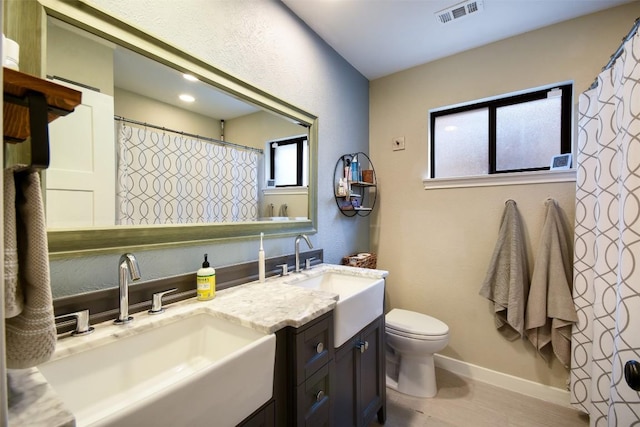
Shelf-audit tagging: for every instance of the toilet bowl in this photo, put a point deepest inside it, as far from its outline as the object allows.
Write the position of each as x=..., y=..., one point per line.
x=412, y=339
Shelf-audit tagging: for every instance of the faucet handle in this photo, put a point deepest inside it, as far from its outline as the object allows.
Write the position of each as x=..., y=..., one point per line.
x=285, y=269
x=156, y=301
x=307, y=263
x=82, y=322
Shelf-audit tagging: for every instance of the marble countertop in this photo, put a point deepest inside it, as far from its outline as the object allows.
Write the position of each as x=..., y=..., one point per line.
x=266, y=307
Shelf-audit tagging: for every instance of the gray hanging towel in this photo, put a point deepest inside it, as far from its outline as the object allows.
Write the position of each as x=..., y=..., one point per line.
x=507, y=279
x=550, y=309
x=31, y=335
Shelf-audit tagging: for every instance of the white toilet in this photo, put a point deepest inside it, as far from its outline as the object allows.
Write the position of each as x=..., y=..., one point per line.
x=412, y=339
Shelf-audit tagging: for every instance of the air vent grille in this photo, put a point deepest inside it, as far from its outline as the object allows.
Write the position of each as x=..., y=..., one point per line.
x=459, y=11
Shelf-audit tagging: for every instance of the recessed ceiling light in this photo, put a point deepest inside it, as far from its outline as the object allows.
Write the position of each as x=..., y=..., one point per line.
x=190, y=77
x=186, y=98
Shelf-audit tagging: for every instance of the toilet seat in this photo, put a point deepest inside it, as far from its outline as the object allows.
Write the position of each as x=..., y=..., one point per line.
x=416, y=337
x=414, y=325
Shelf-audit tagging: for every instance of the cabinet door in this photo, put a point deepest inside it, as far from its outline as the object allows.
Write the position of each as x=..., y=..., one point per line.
x=345, y=385
x=359, y=382
x=372, y=373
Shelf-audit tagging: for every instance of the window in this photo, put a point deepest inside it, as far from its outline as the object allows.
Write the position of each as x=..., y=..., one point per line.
x=288, y=164
x=513, y=133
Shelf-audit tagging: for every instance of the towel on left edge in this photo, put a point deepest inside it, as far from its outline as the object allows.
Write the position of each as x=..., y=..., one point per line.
x=507, y=279
x=31, y=335
x=550, y=309
x=13, y=298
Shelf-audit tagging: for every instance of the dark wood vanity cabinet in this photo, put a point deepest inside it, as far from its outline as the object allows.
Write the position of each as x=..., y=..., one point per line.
x=316, y=385
x=304, y=365
x=359, y=380
x=263, y=417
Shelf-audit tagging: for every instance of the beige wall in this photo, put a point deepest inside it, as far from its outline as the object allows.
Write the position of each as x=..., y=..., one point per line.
x=68, y=56
x=297, y=203
x=137, y=107
x=437, y=244
x=254, y=130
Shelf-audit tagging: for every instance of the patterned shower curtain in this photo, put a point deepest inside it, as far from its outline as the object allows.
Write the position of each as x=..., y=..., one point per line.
x=169, y=178
x=607, y=244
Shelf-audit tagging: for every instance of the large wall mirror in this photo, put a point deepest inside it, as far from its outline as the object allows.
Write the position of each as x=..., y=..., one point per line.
x=135, y=167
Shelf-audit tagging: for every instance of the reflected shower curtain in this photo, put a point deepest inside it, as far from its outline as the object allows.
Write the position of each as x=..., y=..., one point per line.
x=607, y=245
x=169, y=178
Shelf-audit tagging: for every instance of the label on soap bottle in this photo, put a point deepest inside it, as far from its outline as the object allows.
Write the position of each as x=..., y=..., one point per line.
x=206, y=287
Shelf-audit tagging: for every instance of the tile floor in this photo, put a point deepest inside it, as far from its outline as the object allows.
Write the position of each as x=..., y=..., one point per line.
x=462, y=402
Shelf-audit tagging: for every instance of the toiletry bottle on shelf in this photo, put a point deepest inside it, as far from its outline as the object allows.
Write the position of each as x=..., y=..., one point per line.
x=354, y=169
x=206, y=281
x=347, y=170
x=261, y=261
x=342, y=188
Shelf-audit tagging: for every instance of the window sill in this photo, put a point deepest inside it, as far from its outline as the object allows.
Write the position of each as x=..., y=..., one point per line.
x=537, y=177
x=285, y=190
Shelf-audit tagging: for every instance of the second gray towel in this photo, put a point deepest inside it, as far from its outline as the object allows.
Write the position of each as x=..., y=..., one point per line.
x=550, y=310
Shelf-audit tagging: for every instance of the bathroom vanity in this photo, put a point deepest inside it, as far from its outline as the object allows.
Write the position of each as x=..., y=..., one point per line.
x=313, y=382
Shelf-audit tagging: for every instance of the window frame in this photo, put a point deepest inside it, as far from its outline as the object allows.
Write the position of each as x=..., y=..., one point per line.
x=492, y=104
x=299, y=142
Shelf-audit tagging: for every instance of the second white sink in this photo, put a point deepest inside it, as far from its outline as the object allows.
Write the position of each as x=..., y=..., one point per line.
x=190, y=372
x=360, y=302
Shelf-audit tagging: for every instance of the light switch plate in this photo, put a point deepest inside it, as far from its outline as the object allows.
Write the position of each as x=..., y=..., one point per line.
x=398, y=143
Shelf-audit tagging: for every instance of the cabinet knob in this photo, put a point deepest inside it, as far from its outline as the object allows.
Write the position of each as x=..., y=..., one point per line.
x=319, y=347
x=319, y=395
x=363, y=346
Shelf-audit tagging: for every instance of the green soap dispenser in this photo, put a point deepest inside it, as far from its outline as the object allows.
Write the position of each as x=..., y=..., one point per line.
x=206, y=281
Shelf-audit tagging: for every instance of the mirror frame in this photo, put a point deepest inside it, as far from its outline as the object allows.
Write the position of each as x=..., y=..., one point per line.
x=91, y=241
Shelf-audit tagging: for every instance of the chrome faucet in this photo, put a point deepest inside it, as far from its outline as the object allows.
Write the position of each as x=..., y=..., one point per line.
x=127, y=266
x=297, y=244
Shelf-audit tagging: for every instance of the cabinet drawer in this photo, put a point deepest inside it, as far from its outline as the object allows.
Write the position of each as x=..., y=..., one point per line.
x=313, y=399
x=314, y=347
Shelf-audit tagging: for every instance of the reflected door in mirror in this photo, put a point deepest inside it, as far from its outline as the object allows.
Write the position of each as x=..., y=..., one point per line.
x=80, y=182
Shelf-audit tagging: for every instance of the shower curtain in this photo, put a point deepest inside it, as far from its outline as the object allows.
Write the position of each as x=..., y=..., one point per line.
x=169, y=178
x=607, y=244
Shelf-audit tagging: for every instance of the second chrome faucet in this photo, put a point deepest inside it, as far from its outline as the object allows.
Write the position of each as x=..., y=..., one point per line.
x=127, y=267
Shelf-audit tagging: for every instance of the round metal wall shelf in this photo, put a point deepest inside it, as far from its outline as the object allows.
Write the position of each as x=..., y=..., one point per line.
x=355, y=184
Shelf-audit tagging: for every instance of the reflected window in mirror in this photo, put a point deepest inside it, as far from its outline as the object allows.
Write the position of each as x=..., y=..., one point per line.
x=288, y=162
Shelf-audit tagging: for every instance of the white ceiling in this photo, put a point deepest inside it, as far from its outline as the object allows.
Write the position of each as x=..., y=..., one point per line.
x=381, y=37
x=138, y=74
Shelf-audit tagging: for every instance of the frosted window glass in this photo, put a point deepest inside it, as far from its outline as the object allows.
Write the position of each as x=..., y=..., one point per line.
x=461, y=144
x=527, y=134
x=286, y=167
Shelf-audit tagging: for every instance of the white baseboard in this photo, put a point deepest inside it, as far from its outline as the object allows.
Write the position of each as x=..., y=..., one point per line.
x=508, y=382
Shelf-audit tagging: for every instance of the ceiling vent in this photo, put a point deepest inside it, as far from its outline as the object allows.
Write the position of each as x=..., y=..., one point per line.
x=459, y=11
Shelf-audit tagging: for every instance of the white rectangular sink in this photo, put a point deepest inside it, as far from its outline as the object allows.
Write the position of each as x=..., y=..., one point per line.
x=360, y=302
x=185, y=373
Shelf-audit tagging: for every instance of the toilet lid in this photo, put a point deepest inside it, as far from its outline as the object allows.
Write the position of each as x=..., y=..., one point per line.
x=410, y=322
